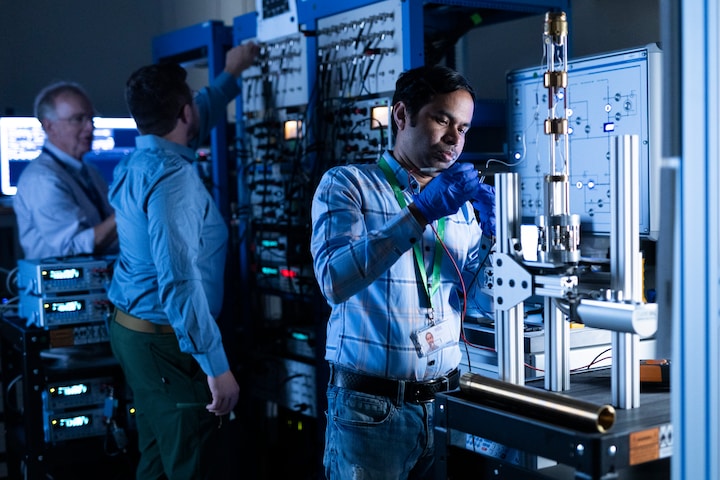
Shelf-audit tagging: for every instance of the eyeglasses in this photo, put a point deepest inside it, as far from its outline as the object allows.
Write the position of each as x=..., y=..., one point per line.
x=79, y=120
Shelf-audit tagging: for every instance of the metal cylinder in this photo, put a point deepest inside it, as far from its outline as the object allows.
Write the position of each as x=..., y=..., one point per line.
x=550, y=407
x=556, y=26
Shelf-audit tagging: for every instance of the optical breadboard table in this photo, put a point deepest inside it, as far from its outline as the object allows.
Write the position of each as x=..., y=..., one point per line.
x=494, y=443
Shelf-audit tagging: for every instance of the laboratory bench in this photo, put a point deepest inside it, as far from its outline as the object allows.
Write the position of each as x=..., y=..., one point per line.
x=478, y=439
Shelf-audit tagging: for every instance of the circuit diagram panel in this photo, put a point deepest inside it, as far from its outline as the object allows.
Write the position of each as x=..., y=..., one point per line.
x=609, y=95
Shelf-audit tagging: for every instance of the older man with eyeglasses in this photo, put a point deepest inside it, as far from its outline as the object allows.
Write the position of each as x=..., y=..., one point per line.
x=61, y=203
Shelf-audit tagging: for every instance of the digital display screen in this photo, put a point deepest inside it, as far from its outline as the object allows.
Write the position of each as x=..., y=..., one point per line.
x=270, y=243
x=62, y=274
x=71, y=422
x=70, y=306
x=270, y=271
x=69, y=390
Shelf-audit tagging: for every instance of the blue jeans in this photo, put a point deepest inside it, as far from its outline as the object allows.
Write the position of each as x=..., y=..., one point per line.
x=369, y=437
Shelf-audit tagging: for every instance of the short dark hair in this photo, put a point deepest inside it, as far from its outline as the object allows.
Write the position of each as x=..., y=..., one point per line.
x=44, y=106
x=417, y=87
x=155, y=95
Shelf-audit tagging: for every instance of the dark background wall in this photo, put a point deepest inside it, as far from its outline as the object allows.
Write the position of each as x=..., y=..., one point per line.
x=97, y=43
x=487, y=53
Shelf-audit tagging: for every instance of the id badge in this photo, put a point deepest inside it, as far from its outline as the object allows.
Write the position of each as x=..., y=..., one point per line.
x=432, y=339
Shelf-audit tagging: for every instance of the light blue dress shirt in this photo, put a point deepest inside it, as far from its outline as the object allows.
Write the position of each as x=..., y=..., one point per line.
x=173, y=238
x=55, y=215
x=362, y=247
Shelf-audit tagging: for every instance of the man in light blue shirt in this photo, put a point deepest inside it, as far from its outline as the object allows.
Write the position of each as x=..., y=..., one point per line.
x=396, y=247
x=61, y=204
x=167, y=286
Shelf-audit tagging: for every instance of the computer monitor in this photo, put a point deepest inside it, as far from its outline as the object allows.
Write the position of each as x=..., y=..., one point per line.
x=114, y=139
x=22, y=139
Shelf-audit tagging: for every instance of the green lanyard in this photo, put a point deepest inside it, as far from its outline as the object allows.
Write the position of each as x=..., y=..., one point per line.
x=390, y=176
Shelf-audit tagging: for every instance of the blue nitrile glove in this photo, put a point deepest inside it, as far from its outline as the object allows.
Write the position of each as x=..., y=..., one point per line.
x=446, y=193
x=484, y=203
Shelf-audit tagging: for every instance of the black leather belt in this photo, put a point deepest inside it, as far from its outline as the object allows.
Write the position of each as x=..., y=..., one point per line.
x=409, y=391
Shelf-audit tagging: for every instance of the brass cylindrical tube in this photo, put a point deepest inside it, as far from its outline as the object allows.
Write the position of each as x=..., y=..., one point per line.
x=556, y=126
x=550, y=407
x=555, y=79
x=556, y=24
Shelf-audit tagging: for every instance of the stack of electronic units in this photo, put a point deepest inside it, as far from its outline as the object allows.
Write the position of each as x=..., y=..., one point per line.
x=71, y=292
x=68, y=297
x=79, y=408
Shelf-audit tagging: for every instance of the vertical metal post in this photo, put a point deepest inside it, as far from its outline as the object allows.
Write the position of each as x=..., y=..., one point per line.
x=625, y=264
x=557, y=348
x=509, y=324
x=693, y=39
x=510, y=344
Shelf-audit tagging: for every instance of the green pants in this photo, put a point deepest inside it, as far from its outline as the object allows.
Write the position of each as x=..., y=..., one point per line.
x=177, y=436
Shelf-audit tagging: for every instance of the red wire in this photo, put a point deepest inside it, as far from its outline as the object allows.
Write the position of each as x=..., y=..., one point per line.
x=464, y=290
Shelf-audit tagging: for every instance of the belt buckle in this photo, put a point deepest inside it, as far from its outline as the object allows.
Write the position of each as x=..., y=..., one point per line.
x=419, y=395
x=444, y=384
x=425, y=392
